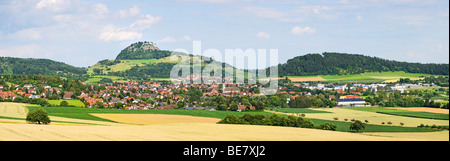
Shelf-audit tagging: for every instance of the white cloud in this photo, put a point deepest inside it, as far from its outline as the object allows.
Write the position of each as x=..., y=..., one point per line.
x=24, y=51
x=359, y=18
x=100, y=11
x=27, y=34
x=111, y=33
x=272, y=13
x=54, y=5
x=169, y=39
x=146, y=22
x=208, y=1
x=297, y=30
x=130, y=12
x=263, y=35
x=119, y=36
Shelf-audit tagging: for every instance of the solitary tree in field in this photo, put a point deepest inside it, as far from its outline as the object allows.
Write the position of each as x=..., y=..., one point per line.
x=38, y=116
x=357, y=126
x=401, y=123
x=64, y=104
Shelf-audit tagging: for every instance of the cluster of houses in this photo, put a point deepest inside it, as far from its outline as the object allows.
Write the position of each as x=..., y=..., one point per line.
x=134, y=95
x=372, y=87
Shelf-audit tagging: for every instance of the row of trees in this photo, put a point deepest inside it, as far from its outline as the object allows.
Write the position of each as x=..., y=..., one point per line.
x=275, y=120
x=398, y=99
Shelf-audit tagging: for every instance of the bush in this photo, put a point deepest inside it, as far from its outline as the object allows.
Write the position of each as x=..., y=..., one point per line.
x=328, y=126
x=357, y=126
x=307, y=124
x=231, y=119
x=64, y=104
x=38, y=116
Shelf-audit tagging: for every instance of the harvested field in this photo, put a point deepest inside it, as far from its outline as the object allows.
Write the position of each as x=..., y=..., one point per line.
x=16, y=110
x=179, y=132
x=372, y=117
x=152, y=119
x=431, y=136
x=424, y=109
x=161, y=127
x=306, y=79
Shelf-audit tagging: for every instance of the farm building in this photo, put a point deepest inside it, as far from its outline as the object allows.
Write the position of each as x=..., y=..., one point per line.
x=351, y=100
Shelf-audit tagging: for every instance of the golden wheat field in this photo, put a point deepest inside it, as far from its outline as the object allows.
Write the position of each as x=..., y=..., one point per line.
x=156, y=127
x=372, y=117
x=424, y=109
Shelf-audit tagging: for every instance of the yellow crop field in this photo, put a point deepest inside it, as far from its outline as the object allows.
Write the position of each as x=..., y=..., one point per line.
x=155, y=127
x=181, y=132
x=152, y=119
x=372, y=117
x=424, y=109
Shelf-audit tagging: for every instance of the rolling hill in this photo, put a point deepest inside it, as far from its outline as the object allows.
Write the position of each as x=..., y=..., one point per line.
x=344, y=64
x=28, y=66
x=142, y=61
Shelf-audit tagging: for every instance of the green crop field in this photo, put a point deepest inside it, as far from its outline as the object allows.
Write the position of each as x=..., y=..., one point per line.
x=426, y=115
x=369, y=77
x=354, y=78
x=76, y=103
x=98, y=78
x=395, y=74
x=296, y=110
x=84, y=113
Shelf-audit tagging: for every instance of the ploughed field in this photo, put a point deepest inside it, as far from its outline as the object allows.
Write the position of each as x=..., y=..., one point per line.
x=172, y=125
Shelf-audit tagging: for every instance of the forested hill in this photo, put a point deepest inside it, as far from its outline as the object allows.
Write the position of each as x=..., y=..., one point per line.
x=142, y=50
x=22, y=66
x=341, y=63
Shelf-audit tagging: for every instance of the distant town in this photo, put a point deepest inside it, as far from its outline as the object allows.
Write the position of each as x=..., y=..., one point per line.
x=165, y=95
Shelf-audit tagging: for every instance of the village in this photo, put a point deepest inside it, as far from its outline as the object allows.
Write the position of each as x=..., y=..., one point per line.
x=157, y=95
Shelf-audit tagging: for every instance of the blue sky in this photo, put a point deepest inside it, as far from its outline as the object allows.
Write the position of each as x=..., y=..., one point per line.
x=80, y=32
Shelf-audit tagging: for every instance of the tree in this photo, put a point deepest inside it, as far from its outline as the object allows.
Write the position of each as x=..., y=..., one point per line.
x=44, y=103
x=222, y=107
x=234, y=107
x=180, y=104
x=357, y=126
x=64, y=104
x=259, y=106
x=118, y=105
x=38, y=116
x=100, y=105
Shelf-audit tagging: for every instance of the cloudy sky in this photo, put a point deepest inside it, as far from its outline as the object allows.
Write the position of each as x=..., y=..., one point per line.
x=81, y=32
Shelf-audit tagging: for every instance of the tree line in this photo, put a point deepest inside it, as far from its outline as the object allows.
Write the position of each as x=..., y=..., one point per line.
x=275, y=120
x=21, y=66
x=343, y=64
